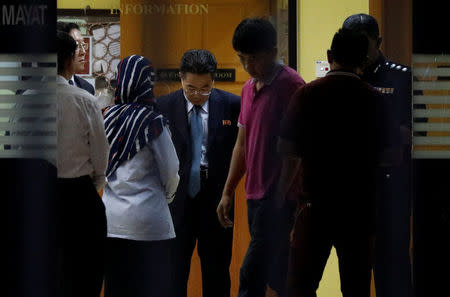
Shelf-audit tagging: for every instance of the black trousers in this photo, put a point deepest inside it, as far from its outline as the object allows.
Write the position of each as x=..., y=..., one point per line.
x=431, y=227
x=214, y=244
x=313, y=239
x=83, y=235
x=137, y=268
x=392, y=266
x=266, y=261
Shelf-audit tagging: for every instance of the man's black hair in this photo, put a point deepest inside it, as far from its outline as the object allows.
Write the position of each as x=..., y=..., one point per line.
x=66, y=47
x=349, y=48
x=198, y=61
x=66, y=27
x=61, y=26
x=363, y=23
x=254, y=35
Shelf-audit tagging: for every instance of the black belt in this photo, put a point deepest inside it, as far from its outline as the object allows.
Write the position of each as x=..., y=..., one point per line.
x=84, y=179
x=204, y=172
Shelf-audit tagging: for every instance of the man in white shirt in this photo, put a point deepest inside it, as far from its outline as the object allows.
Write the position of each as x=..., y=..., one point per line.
x=81, y=162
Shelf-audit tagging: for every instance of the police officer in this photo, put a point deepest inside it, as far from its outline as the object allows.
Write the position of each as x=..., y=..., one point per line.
x=392, y=266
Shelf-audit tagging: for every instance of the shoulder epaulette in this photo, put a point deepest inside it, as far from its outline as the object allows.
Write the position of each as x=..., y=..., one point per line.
x=396, y=67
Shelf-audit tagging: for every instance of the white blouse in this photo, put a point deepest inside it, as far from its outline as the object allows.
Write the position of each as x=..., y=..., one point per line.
x=138, y=192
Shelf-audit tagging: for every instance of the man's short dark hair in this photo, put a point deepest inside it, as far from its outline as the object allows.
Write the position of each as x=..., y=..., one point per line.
x=66, y=47
x=363, y=23
x=61, y=26
x=66, y=27
x=198, y=61
x=254, y=35
x=349, y=48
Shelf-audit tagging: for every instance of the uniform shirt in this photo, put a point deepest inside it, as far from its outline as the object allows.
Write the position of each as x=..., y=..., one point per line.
x=394, y=82
x=204, y=111
x=260, y=117
x=137, y=194
x=82, y=144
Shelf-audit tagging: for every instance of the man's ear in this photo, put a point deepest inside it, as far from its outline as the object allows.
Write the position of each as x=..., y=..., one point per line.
x=274, y=53
x=330, y=56
x=68, y=62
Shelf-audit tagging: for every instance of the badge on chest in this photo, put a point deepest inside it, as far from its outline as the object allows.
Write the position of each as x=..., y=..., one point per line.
x=384, y=90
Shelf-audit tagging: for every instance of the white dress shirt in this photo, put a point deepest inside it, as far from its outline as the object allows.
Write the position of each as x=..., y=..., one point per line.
x=82, y=145
x=73, y=80
x=138, y=192
x=204, y=112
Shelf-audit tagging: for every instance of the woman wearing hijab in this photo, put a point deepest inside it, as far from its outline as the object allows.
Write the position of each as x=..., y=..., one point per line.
x=142, y=179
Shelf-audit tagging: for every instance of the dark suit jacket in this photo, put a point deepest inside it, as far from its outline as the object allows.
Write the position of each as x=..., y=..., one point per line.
x=223, y=114
x=84, y=84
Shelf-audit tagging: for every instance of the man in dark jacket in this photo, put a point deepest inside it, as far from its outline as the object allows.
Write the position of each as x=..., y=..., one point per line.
x=334, y=128
x=203, y=122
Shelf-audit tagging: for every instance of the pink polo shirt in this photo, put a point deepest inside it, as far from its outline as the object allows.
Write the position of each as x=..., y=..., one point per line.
x=261, y=115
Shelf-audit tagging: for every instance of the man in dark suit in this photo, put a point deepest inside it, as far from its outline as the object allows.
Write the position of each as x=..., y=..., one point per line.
x=74, y=30
x=203, y=122
x=84, y=84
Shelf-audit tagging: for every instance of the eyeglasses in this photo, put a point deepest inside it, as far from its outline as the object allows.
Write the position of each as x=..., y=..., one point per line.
x=193, y=91
x=201, y=92
x=82, y=45
x=188, y=90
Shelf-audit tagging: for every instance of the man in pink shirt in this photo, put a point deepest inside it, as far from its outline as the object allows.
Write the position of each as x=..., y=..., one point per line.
x=265, y=98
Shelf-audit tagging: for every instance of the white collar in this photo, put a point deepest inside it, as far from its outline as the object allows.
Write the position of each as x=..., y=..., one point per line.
x=189, y=105
x=61, y=79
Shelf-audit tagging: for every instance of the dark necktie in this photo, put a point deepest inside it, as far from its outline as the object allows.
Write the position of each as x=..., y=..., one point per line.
x=196, y=140
x=71, y=82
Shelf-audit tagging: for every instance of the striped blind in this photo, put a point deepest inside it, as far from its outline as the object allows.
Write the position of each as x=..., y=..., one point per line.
x=431, y=106
x=28, y=106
